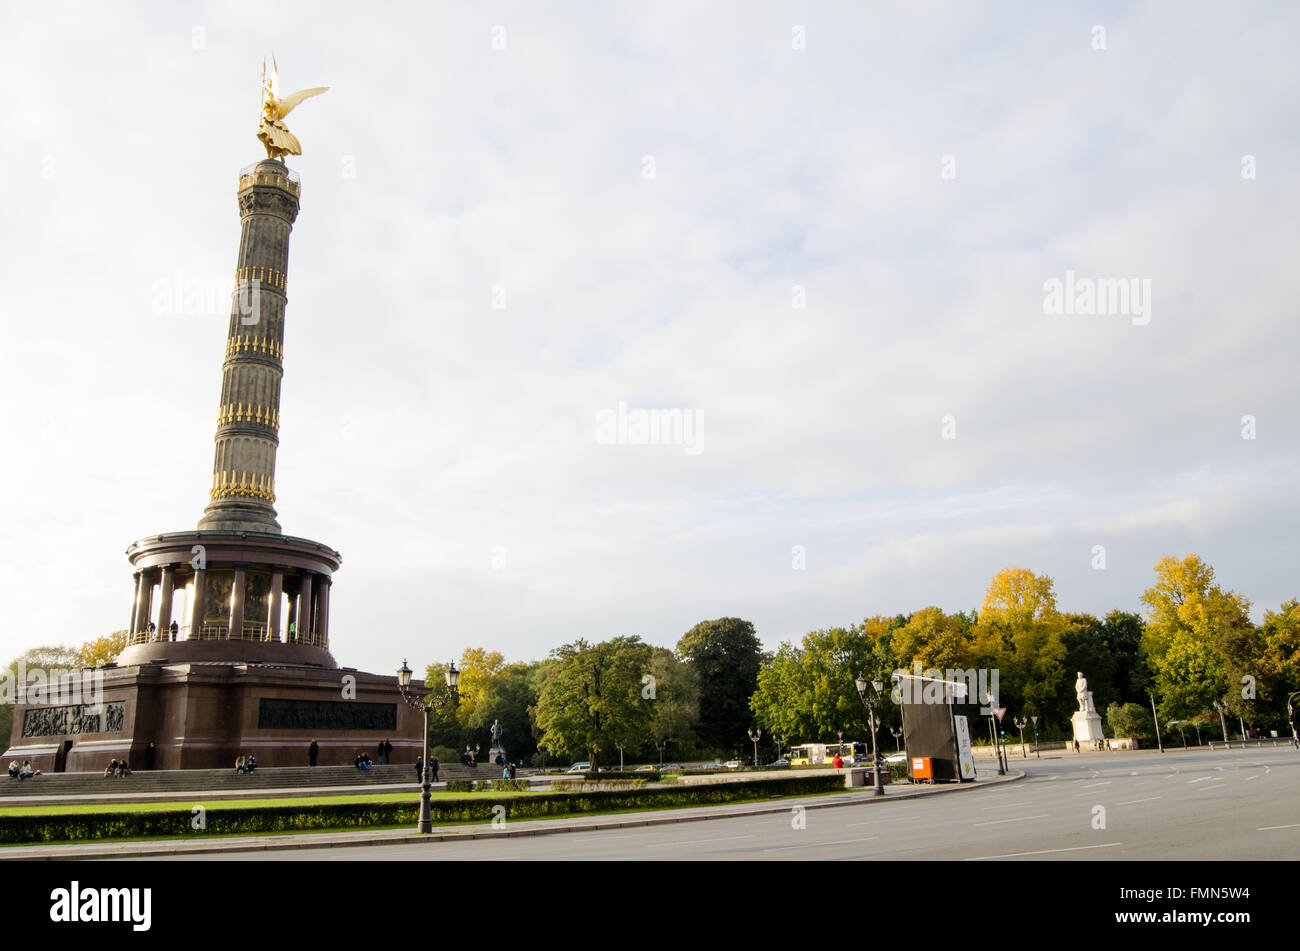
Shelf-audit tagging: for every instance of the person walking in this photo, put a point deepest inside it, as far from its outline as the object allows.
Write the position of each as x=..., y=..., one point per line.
x=419, y=769
x=388, y=752
x=313, y=752
x=381, y=753
x=433, y=769
x=150, y=755
x=512, y=770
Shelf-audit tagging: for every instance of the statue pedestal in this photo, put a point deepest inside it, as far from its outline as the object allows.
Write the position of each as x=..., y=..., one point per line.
x=1087, y=727
x=494, y=753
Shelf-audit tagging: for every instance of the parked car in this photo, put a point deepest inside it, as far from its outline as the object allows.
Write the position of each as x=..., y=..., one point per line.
x=733, y=764
x=644, y=769
x=584, y=767
x=897, y=757
x=781, y=762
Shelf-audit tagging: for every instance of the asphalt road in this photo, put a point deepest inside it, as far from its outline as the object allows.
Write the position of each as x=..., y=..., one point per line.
x=1194, y=805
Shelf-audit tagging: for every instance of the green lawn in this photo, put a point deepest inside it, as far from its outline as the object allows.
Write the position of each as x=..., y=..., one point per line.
x=406, y=826
x=239, y=803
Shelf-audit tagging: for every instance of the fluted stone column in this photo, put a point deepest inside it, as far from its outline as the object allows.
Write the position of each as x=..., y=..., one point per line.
x=135, y=607
x=323, y=613
x=273, y=616
x=144, y=606
x=196, y=604
x=248, y=420
x=166, y=591
x=236, y=629
x=305, y=612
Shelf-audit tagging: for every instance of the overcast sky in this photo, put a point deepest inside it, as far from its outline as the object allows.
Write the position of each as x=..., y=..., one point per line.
x=817, y=228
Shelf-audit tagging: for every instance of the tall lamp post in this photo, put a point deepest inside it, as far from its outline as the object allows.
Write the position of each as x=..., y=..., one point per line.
x=1223, y=723
x=779, y=740
x=427, y=707
x=870, y=702
x=1156, y=717
x=661, y=745
x=1290, y=718
x=1020, y=725
x=898, y=738
x=754, y=737
x=993, y=733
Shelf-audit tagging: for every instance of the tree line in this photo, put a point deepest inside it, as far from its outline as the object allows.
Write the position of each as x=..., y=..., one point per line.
x=1193, y=653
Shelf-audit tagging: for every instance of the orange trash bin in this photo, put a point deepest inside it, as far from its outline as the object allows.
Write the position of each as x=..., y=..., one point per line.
x=922, y=768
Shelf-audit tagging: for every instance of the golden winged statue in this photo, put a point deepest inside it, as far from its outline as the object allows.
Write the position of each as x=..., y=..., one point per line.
x=275, y=135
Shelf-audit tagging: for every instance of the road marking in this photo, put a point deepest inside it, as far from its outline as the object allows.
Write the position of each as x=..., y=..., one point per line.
x=1294, y=825
x=821, y=845
x=1012, y=855
x=995, y=822
x=1018, y=802
x=1129, y=802
x=1092, y=785
x=1208, y=788
x=724, y=838
x=1256, y=776
x=1146, y=783
x=1198, y=780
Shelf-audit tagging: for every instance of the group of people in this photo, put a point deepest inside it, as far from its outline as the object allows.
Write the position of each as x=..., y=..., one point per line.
x=117, y=767
x=246, y=764
x=433, y=769
x=24, y=771
x=363, y=761
x=385, y=753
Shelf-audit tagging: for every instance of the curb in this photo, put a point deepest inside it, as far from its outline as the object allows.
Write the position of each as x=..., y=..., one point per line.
x=413, y=838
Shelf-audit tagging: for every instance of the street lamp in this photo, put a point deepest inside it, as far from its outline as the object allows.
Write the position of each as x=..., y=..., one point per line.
x=427, y=707
x=1223, y=723
x=661, y=745
x=754, y=737
x=1182, y=735
x=1156, y=717
x=898, y=738
x=993, y=733
x=779, y=740
x=870, y=703
x=1290, y=718
x=1020, y=725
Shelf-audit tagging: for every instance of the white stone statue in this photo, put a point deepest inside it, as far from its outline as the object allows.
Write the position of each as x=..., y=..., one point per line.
x=1084, y=695
x=1086, y=720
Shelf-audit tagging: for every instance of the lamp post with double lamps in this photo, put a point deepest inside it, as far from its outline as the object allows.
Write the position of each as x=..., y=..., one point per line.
x=870, y=702
x=425, y=824
x=754, y=737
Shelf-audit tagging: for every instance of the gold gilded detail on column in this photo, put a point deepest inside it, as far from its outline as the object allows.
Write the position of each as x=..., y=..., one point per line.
x=260, y=414
x=231, y=483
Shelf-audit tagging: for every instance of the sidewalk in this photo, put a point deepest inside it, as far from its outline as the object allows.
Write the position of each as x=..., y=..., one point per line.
x=158, y=848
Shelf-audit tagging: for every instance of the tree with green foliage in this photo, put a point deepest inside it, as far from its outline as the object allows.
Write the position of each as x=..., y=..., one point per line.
x=726, y=655
x=592, y=700
x=808, y=693
x=676, y=702
x=1196, y=636
x=1130, y=720
x=1019, y=633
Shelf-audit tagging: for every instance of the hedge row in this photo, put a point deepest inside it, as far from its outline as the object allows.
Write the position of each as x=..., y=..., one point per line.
x=235, y=820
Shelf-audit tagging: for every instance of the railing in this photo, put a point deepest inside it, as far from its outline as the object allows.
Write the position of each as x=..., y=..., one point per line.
x=154, y=636
x=254, y=631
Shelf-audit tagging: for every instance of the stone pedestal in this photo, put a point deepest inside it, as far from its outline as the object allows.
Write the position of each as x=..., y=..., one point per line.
x=1087, y=727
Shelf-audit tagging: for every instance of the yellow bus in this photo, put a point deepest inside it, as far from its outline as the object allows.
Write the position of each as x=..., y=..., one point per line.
x=823, y=754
